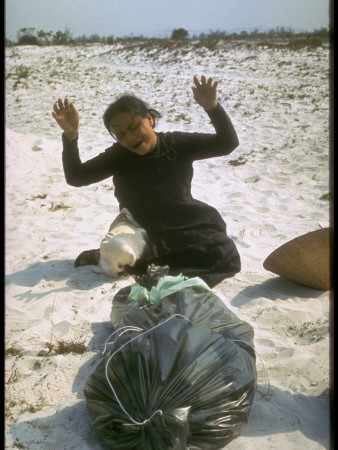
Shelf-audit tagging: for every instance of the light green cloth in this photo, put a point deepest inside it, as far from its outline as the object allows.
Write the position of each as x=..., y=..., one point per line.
x=166, y=286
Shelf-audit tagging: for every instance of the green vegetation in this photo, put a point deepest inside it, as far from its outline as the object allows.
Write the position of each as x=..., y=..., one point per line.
x=31, y=36
x=179, y=33
x=62, y=347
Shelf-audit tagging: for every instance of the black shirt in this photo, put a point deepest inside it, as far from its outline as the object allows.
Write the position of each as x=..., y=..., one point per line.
x=156, y=187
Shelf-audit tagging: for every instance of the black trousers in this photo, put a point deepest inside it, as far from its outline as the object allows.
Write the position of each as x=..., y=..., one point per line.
x=207, y=253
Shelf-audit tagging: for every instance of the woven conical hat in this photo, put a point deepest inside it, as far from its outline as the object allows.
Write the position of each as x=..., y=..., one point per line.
x=305, y=259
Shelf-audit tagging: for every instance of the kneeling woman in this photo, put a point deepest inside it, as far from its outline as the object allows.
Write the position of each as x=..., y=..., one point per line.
x=152, y=174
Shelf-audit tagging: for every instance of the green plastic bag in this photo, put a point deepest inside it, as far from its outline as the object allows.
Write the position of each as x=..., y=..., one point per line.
x=165, y=286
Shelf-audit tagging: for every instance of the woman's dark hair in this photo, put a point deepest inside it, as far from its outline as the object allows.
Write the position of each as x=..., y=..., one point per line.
x=133, y=105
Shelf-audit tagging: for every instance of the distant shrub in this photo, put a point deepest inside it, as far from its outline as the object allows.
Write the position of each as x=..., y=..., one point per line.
x=281, y=32
x=44, y=37
x=179, y=33
x=215, y=35
x=62, y=37
x=315, y=41
x=110, y=40
x=307, y=41
x=28, y=40
x=209, y=43
x=322, y=32
x=94, y=38
x=29, y=36
x=26, y=36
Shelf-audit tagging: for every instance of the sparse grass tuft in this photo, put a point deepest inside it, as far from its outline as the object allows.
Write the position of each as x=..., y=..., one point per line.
x=22, y=406
x=34, y=197
x=14, y=376
x=13, y=351
x=70, y=347
x=63, y=347
x=56, y=207
x=238, y=162
x=326, y=196
x=23, y=71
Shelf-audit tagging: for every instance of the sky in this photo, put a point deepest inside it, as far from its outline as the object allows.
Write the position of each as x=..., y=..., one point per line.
x=157, y=18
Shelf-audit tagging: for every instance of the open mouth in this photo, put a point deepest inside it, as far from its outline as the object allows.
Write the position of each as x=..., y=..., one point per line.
x=138, y=144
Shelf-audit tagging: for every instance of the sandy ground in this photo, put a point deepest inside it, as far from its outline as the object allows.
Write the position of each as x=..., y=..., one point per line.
x=272, y=188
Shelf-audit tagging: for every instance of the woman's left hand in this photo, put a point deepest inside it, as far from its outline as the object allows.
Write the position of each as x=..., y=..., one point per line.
x=205, y=92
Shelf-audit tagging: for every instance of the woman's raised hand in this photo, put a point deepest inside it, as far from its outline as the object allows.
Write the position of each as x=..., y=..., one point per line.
x=205, y=92
x=67, y=117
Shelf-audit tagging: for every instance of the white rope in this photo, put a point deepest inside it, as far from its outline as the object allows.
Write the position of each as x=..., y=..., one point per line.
x=266, y=376
x=115, y=353
x=126, y=328
x=132, y=328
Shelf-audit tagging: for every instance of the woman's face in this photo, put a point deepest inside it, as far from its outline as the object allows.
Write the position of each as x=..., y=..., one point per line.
x=135, y=133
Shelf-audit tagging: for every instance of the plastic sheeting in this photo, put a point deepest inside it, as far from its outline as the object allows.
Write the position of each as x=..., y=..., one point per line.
x=166, y=286
x=179, y=374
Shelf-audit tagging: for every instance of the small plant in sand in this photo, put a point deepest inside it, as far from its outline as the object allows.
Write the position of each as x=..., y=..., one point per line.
x=39, y=196
x=14, y=376
x=238, y=162
x=20, y=406
x=108, y=186
x=182, y=116
x=241, y=232
x=326, y=196
x=23, y=71
x=62, y=347
x=209, y=43
x=56, y=207
x=13, y=351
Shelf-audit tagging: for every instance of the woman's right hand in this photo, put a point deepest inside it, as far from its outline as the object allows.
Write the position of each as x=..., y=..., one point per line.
x=67, y=117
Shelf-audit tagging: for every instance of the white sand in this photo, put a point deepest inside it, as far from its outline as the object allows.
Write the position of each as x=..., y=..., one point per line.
x=279, y=102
